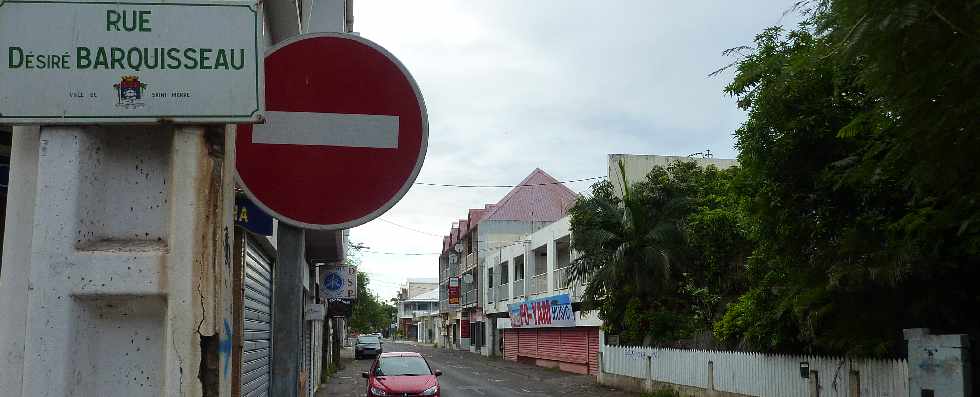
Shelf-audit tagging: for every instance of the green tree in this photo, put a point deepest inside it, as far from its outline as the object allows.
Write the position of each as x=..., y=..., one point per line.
x=661, y=258
x=370, y=314
x=860, y=160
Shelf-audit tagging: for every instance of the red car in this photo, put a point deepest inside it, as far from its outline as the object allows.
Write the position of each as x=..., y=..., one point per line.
x=402, y=374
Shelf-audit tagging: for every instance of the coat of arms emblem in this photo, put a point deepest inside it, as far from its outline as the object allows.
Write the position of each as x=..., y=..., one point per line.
x=129, y=92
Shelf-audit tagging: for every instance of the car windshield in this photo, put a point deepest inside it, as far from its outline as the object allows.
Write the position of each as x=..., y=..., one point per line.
x=402, y=366
x=368, y=339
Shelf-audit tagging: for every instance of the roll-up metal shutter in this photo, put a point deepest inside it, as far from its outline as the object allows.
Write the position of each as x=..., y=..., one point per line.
x=257, y=324
x=550, y=344
x=575, y=345
x=527, y=342
x=510, y=344
x=308, y=347
x=594, y=350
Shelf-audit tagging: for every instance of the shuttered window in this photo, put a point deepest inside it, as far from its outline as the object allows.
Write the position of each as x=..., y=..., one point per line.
x=257, y=324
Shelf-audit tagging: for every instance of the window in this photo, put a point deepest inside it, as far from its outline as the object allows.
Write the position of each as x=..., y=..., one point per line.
x=504, y=273
x=368, y=340
x=402, y=366
x=519, y=268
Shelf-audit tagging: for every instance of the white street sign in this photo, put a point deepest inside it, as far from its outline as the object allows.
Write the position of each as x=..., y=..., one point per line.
x=81, y=62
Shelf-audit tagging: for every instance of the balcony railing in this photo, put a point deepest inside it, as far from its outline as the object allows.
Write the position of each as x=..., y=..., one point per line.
x=469, y=261
x=469, y=297
x=538, y=284
x=518, y=288
x=502, y=292
x=561, y=278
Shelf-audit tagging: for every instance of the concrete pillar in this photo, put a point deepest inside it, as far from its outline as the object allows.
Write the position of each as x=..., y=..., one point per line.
x=552, y=258
x=288, y=306
x=119, y=263
x=15, y=275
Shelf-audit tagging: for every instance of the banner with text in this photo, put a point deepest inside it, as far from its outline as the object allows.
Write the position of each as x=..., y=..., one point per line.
x=551, y=311
x=453, y=292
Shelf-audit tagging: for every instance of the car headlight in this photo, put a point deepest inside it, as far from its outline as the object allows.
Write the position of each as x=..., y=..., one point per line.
x=378, y=392
x=431, y=391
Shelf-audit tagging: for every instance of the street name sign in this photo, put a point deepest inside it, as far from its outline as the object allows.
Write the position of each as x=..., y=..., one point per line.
x=84, y=62
x=344, y=137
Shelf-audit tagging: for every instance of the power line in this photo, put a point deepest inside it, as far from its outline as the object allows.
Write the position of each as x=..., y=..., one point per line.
x=400, y=253
x=409, y=228
x=508, y=186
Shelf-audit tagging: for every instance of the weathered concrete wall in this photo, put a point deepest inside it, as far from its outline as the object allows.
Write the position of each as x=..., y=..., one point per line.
x=120, y=264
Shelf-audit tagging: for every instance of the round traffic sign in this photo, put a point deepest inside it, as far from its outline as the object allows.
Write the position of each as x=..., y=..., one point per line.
x=345, y=134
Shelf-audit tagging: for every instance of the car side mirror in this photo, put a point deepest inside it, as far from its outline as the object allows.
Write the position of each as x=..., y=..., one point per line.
x=365, y=375
x=437, y=372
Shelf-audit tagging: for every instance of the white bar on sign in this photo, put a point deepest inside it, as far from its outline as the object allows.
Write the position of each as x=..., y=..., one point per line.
x=327, y=129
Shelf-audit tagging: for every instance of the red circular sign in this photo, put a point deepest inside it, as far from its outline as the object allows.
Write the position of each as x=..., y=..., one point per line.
x=345, y=134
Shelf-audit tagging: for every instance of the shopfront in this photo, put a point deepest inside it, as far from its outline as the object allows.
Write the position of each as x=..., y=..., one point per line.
x=544, y=332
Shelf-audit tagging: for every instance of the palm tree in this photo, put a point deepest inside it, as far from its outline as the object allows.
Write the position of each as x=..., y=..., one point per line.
x=631, y=244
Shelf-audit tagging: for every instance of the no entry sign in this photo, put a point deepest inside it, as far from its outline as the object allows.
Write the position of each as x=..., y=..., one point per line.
x=345, y=133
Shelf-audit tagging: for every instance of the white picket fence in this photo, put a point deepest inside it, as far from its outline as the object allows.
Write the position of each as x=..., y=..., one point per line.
x=762, y=375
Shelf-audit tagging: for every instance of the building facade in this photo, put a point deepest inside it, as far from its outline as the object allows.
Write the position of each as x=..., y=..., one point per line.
x=534, y=203
x=535, y=309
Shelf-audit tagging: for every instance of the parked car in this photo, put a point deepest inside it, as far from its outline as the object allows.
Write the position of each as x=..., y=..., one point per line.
x=402, y=374
x=367, y=345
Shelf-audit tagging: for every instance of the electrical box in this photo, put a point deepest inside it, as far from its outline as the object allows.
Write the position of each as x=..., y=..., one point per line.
x=938, y=364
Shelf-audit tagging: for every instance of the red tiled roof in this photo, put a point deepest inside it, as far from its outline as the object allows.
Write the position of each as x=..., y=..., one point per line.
x=475, y=216
x=539, y=197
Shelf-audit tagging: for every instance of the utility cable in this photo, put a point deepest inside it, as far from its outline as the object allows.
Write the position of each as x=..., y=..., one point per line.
x=409, y=228
x=508, y=186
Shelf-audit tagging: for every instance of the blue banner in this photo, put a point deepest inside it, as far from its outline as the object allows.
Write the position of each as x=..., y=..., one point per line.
x=551, y=311
x=251, y=217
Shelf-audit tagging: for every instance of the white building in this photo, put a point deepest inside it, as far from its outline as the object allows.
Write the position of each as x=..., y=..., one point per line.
x=411, y=311
x=533, y=275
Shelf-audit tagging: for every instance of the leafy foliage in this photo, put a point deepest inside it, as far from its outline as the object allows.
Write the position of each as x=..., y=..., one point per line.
x=643, y=253
x=861, y=157
x=855, y=209
x=370, y=313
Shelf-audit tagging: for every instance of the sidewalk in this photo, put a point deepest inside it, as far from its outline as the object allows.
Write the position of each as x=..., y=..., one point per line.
x=349, y=377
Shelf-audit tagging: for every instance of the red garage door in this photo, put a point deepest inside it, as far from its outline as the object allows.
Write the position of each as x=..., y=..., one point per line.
x=575, y=345
x=578, y=345
x=549, y=344
x=594, y=350
x=510, y=344
x=527, y=343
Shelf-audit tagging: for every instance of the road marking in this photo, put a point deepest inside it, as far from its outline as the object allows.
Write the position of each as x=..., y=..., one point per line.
x=305, y=128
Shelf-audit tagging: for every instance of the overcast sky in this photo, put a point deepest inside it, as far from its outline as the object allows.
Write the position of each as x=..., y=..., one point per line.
x=514, y=85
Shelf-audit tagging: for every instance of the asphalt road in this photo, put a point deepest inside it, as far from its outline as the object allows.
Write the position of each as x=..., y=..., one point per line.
x=469, y=374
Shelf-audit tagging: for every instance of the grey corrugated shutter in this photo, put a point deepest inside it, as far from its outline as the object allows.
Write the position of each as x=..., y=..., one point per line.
x=308, y=347
x=257, y=316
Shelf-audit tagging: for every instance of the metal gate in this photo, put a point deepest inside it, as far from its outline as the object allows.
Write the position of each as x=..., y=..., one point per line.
x=257, y=327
